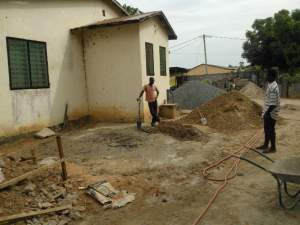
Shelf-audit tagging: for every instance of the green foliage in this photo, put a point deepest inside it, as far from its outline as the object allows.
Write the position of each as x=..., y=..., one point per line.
x=275, y=41
x=290, y=79
x=131, y=10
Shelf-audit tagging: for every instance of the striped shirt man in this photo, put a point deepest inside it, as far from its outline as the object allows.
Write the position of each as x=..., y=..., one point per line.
x=272, y=98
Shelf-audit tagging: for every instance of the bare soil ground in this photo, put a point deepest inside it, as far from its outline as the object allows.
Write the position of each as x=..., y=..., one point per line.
x=165, y=173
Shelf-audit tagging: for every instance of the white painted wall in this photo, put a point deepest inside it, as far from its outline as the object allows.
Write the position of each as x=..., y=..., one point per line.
x=113, y=66
x=153, y=32
x=116, y=68
x=49, y=21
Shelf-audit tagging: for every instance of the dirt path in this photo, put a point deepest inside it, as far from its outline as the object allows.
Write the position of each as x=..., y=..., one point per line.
x=165, y=174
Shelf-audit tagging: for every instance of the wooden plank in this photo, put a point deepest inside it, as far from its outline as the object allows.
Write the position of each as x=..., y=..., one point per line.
x=62, y=158
x=28, y=175
x=20, y=216
x=66, y=118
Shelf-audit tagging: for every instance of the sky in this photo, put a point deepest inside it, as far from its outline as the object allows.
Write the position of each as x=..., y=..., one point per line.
x=229, y=18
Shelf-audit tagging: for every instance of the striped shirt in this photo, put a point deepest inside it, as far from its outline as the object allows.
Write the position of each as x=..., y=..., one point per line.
x=272, y=98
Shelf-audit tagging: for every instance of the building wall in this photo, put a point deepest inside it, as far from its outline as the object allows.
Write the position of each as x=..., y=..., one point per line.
x=211, y=77
x=113, y=66
x=200, y=70
x=48, y=21
x=153, y=32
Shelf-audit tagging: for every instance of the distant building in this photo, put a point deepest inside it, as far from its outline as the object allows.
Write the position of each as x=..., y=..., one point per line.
x=217, y=75
x=211, y=69
x=177, y=76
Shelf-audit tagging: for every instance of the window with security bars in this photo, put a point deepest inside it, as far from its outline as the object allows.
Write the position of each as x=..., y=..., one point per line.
x=149, y=59
x=163, y=61
x=27, y=61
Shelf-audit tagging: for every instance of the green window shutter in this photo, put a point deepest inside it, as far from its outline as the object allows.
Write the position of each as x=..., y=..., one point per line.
x=28, y=66
x=38, y=64
x=149, y=59
x=163, y=61
x=18, y=63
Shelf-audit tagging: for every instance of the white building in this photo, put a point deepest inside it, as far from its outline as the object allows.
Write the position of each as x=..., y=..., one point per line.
x=88, y=54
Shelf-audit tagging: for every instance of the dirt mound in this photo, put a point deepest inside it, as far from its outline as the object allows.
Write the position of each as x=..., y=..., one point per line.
x=229, y=112
x=180, y=131
x=251, y=90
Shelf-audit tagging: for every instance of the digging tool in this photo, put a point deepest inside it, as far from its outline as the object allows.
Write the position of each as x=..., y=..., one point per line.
x=139, y=120
x=203, y=119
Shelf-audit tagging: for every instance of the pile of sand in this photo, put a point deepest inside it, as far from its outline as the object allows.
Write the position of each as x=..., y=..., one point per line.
x=251, y=90
x=180, y=131
x=229, y=112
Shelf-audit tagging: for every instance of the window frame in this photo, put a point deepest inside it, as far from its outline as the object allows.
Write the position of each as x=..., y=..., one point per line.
x=153, y=64
x=29, y=64
x=160, y=61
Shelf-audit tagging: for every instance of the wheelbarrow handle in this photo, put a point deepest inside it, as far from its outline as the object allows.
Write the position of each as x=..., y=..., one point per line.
x=253, y=163
x=261, y=154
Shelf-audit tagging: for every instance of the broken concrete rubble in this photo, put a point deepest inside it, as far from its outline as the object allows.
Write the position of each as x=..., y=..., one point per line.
x=45, y=133
x=27, y=175
x=108, y=196
x=48, y=161
x=74, y=215
x=44, y=205
x=36, y=194
x=22, y=216
x=122, y=199
x=30, y=187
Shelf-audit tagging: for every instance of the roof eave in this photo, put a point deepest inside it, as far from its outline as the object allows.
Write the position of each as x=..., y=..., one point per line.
x=173, y=37
x=93, y=26
x=171, y=33
x=120, y=6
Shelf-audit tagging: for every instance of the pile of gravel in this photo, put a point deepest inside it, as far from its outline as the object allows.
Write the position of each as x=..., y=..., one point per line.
x=193, y=94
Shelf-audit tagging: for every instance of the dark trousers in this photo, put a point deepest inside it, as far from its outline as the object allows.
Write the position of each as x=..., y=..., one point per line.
x=270, y=134
x=153, y=111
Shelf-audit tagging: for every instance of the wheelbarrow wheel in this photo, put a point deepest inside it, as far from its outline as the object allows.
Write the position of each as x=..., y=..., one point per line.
x=289, y=193
x=283, y=185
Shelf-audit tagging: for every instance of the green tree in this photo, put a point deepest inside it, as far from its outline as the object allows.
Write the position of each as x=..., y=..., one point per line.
x=131, y=10
x=275, y=41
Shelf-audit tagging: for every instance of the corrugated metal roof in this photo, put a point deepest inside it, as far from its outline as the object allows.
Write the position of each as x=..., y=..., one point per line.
x=132, y=19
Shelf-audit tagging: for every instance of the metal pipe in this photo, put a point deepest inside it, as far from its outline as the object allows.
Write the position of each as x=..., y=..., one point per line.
x=205, y=54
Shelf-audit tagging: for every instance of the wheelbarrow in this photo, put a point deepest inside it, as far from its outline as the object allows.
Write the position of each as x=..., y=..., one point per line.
x=285, y=172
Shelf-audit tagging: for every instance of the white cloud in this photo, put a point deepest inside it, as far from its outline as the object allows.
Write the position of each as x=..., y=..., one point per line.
x=191, y=18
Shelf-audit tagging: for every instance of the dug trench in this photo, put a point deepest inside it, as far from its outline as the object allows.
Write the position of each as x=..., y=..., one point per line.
x=164, y=171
